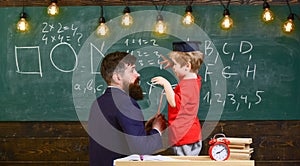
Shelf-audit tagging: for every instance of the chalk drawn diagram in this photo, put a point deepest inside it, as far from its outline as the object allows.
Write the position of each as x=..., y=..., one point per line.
x=99, y=52
x=35, y=59
x=72, y=50
x=28, y=58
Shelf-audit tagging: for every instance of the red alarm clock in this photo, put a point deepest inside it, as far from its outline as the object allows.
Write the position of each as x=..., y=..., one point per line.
x=219, y=149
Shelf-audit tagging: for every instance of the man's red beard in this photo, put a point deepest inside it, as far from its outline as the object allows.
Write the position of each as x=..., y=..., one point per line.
x=135, y=90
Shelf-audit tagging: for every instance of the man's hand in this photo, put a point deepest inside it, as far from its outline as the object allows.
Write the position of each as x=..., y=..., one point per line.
x=159, y=123
x=148, y=125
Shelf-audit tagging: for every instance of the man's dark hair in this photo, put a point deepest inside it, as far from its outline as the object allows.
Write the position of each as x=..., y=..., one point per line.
x=115, y=62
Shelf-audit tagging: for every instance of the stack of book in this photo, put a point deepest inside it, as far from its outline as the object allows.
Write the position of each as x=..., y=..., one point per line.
x=240, y=148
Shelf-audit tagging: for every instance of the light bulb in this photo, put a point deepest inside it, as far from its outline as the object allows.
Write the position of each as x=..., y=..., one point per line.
x=160, y=27
x=22, y=24
x=53, y=9
x=188, y=18
x=267, y=15
x=127, y=20
x=102, y=30
x=289, y=25
x=226, y=22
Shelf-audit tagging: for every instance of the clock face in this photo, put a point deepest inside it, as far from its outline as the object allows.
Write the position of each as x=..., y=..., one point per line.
x=219, y=152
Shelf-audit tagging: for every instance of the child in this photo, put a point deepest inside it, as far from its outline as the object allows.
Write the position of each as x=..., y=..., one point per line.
x=183, y=102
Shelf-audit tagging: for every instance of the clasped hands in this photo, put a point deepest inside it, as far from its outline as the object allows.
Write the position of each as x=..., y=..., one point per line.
x=156, y=122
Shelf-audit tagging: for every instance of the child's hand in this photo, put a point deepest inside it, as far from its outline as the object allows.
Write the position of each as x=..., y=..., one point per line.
x=160, y=80
x=166, y=61
x=170, y=95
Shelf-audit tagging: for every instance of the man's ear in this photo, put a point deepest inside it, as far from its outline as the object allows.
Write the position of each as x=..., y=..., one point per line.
x=116, y=78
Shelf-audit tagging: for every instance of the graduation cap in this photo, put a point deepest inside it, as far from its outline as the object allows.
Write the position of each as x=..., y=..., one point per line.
x=186, y=46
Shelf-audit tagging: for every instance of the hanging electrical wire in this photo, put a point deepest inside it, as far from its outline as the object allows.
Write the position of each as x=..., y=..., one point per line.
x=289, y=25
x=22, y=24
x=102, y=29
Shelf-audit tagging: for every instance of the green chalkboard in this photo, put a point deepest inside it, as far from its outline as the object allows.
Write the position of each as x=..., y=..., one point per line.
x=51, y=72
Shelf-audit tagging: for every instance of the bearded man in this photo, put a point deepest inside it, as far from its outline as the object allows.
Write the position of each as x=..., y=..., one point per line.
x=116, y=125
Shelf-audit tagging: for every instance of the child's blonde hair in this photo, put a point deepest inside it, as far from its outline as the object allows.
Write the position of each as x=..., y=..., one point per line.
x=195, y=58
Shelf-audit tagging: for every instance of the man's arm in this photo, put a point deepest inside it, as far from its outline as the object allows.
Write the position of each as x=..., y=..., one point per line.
x=134, y=129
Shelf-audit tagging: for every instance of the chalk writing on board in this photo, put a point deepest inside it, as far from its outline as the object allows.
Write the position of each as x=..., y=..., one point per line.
x=58, y=34
x=234, y=99
x=53, y=33
x=147, y=58
x=140, y=42
x=228, y=72
x=249, y=71
x=144, y=58
x=151, y=86
x=89, y=87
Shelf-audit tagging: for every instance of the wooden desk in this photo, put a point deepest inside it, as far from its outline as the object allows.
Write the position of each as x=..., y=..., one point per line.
x=187, y=161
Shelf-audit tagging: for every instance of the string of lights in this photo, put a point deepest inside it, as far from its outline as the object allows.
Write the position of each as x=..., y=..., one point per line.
x=160, y=27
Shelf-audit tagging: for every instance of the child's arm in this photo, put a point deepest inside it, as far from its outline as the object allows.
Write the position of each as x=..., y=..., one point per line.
x=168, y=89
x=167, y=62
